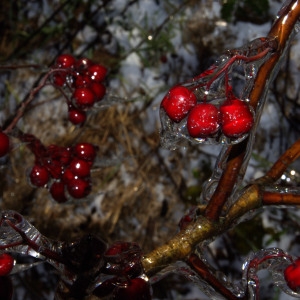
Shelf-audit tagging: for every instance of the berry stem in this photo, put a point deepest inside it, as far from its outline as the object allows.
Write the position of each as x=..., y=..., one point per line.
x=22, y=107
x=203, y=271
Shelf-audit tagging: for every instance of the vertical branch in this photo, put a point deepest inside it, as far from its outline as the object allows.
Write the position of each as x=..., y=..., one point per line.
x=283, y=31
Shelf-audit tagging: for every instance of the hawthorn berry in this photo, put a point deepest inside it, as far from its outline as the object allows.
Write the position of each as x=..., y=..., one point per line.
x=292, y=275
x=68, y=175
x=97, y=72
x=84, y=97
x=82, y=64
x=78, y=188
x=59, y=78
x=6, y=264
x=178, y=102
x=236, y=118
x=80, y=167
x=57, y=191
x=203, y=120
x=4, y=144
x=98, y=89
x=77, y=116
x=65, y=61
x=82, y=81
x=85, y=151
x=39, y=175
x=135, y=289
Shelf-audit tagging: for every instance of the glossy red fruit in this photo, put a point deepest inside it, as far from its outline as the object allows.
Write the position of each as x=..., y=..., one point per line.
x=59, y=78
x=85, y=151
x=80, y=167
x=68, y=175
x=77, y=116
x=97, y=72
x=84, y=97
x=65, y=61
x=79, y=188
x=6, y=264
x=236, y=118
x=178, y=102
x=4, y=144
x=57, y=191
x=82, y=81
x=98, y=89
x=39, y=175
x=82, y=64
x=203, y=120
x=136, y=289
x=292, y=275
x=61, y=154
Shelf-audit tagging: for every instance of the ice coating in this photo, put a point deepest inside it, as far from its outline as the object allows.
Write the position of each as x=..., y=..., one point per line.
x=231, y=77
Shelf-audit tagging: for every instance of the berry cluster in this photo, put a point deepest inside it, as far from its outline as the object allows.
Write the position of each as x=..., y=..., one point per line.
x=123, y=264
x=64, y=169
x=292, y=275
x=233, y=118
x=85, y=81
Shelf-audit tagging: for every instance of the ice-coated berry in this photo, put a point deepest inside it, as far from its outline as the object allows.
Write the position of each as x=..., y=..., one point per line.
x=136, y=289
x=57, y=191
x=65, y=61
x=98, y=89
x=82, y=81
x=77, y=116
x=84, y=97
x=292, y=275
x=80, y=167
x=39, y=175
x=79, y=188
x=82, y=64
x=97, y=72
x=236, y=118
x=178, y=102
x=203, y=120
x=6, y=264
x=4, y=144
x=85, y=151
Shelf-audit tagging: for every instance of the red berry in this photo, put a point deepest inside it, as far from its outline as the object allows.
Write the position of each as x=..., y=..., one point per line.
x=61, y=154
x=84, y=97
x=178, y=102
x=82, y=64
x=136, y=289
x=57, y=191
x=68, y=175
x=79, y=188
x=97, y=72
x=80, y=168
x=203, y=120
x=85, y=151
x=292, y=275
x=82, y=81
x=39, y=175
x=4, y=144
x=236, y=118
x=65, y=61
x=117, y=248
x=98, y=89
x=59, y=78
x=77, y=116
x=6, y=264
